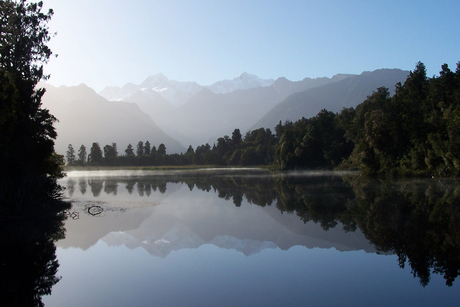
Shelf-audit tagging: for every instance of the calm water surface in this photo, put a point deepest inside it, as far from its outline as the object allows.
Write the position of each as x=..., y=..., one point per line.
x=251, y=238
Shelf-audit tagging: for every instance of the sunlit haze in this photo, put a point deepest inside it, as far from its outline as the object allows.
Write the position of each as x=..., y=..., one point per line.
x=101, y=42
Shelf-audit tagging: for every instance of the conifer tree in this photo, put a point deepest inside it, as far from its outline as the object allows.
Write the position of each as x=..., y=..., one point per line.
x=27, y=133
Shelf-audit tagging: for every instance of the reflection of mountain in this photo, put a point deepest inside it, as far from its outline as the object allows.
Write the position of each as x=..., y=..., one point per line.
x=189, y=219
x=181, y=236
x=417, y=220
x=120, y=212
x=317, y=237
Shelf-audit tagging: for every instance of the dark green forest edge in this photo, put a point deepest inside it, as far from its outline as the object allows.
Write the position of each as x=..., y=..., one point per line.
x=415, y=132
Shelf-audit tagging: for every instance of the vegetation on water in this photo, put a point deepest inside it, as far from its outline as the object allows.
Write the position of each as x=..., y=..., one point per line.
x=414, y=132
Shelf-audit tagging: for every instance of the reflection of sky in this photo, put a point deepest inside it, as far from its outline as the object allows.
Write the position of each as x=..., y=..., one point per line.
x=210, y=276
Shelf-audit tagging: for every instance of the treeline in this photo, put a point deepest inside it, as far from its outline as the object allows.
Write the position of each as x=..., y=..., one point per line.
x=145, y=154
x=414, y=132
x=256, y=148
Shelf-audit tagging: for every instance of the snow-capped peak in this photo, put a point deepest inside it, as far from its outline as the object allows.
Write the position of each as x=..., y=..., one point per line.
x=157, y=80
x=178, y=93
x=243, y=81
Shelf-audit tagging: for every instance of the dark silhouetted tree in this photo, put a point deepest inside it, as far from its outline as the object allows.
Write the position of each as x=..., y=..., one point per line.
x=27, y=133
x=147, y=148
x=161, y=149
x=70, y=155
x=110, y=154
x=129, y=151
x=140, y=149
x=82, y=155
x=95, y=154
x=236, y=139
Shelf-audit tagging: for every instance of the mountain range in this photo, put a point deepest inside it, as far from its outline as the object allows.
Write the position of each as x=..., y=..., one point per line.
x=177, y=92
x=180, y=114
x=208, y=115
x=85, y=117
x=346, y=93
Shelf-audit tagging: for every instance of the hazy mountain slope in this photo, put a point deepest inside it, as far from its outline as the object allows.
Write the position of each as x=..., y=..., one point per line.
x=240, y=109
x=334, y=97
x=153, y=104
x=208, y=115
x=85, y=117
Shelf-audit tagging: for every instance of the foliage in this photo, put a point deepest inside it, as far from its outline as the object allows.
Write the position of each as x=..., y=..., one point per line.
x=95, y=155
x=70, y=155
x=414, y=132
x=317, y=142
x=26, y=129
x=82, y=155
x=110, y=154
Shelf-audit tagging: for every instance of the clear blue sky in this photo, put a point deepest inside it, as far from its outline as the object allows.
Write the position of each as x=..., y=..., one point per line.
x=112, y=42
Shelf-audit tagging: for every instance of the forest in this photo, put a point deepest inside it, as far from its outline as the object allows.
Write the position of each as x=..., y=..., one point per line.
x=415, y=132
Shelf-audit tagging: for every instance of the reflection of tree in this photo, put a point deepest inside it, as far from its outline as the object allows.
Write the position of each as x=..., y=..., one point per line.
x=111, y=187
x=82, y=184
x=130, y=186
x=140, y=188
x=256, y=190
x=319, y=199
x=28, y=264
x=148, y=189
x=71, y=186
x=96, y=186
x=162, y=187
x=417, y=220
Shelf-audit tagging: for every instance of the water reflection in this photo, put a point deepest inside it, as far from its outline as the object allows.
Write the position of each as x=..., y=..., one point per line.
x=28, y=264
x=418, y=220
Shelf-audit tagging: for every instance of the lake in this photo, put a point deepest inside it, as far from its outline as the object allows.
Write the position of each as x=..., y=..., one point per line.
x=248, y=237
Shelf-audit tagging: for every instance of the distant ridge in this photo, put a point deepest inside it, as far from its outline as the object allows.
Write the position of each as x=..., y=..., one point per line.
x=208, y=115
x=85, y=117
x=194, y=115
x=345, y=93
x=178, y=93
